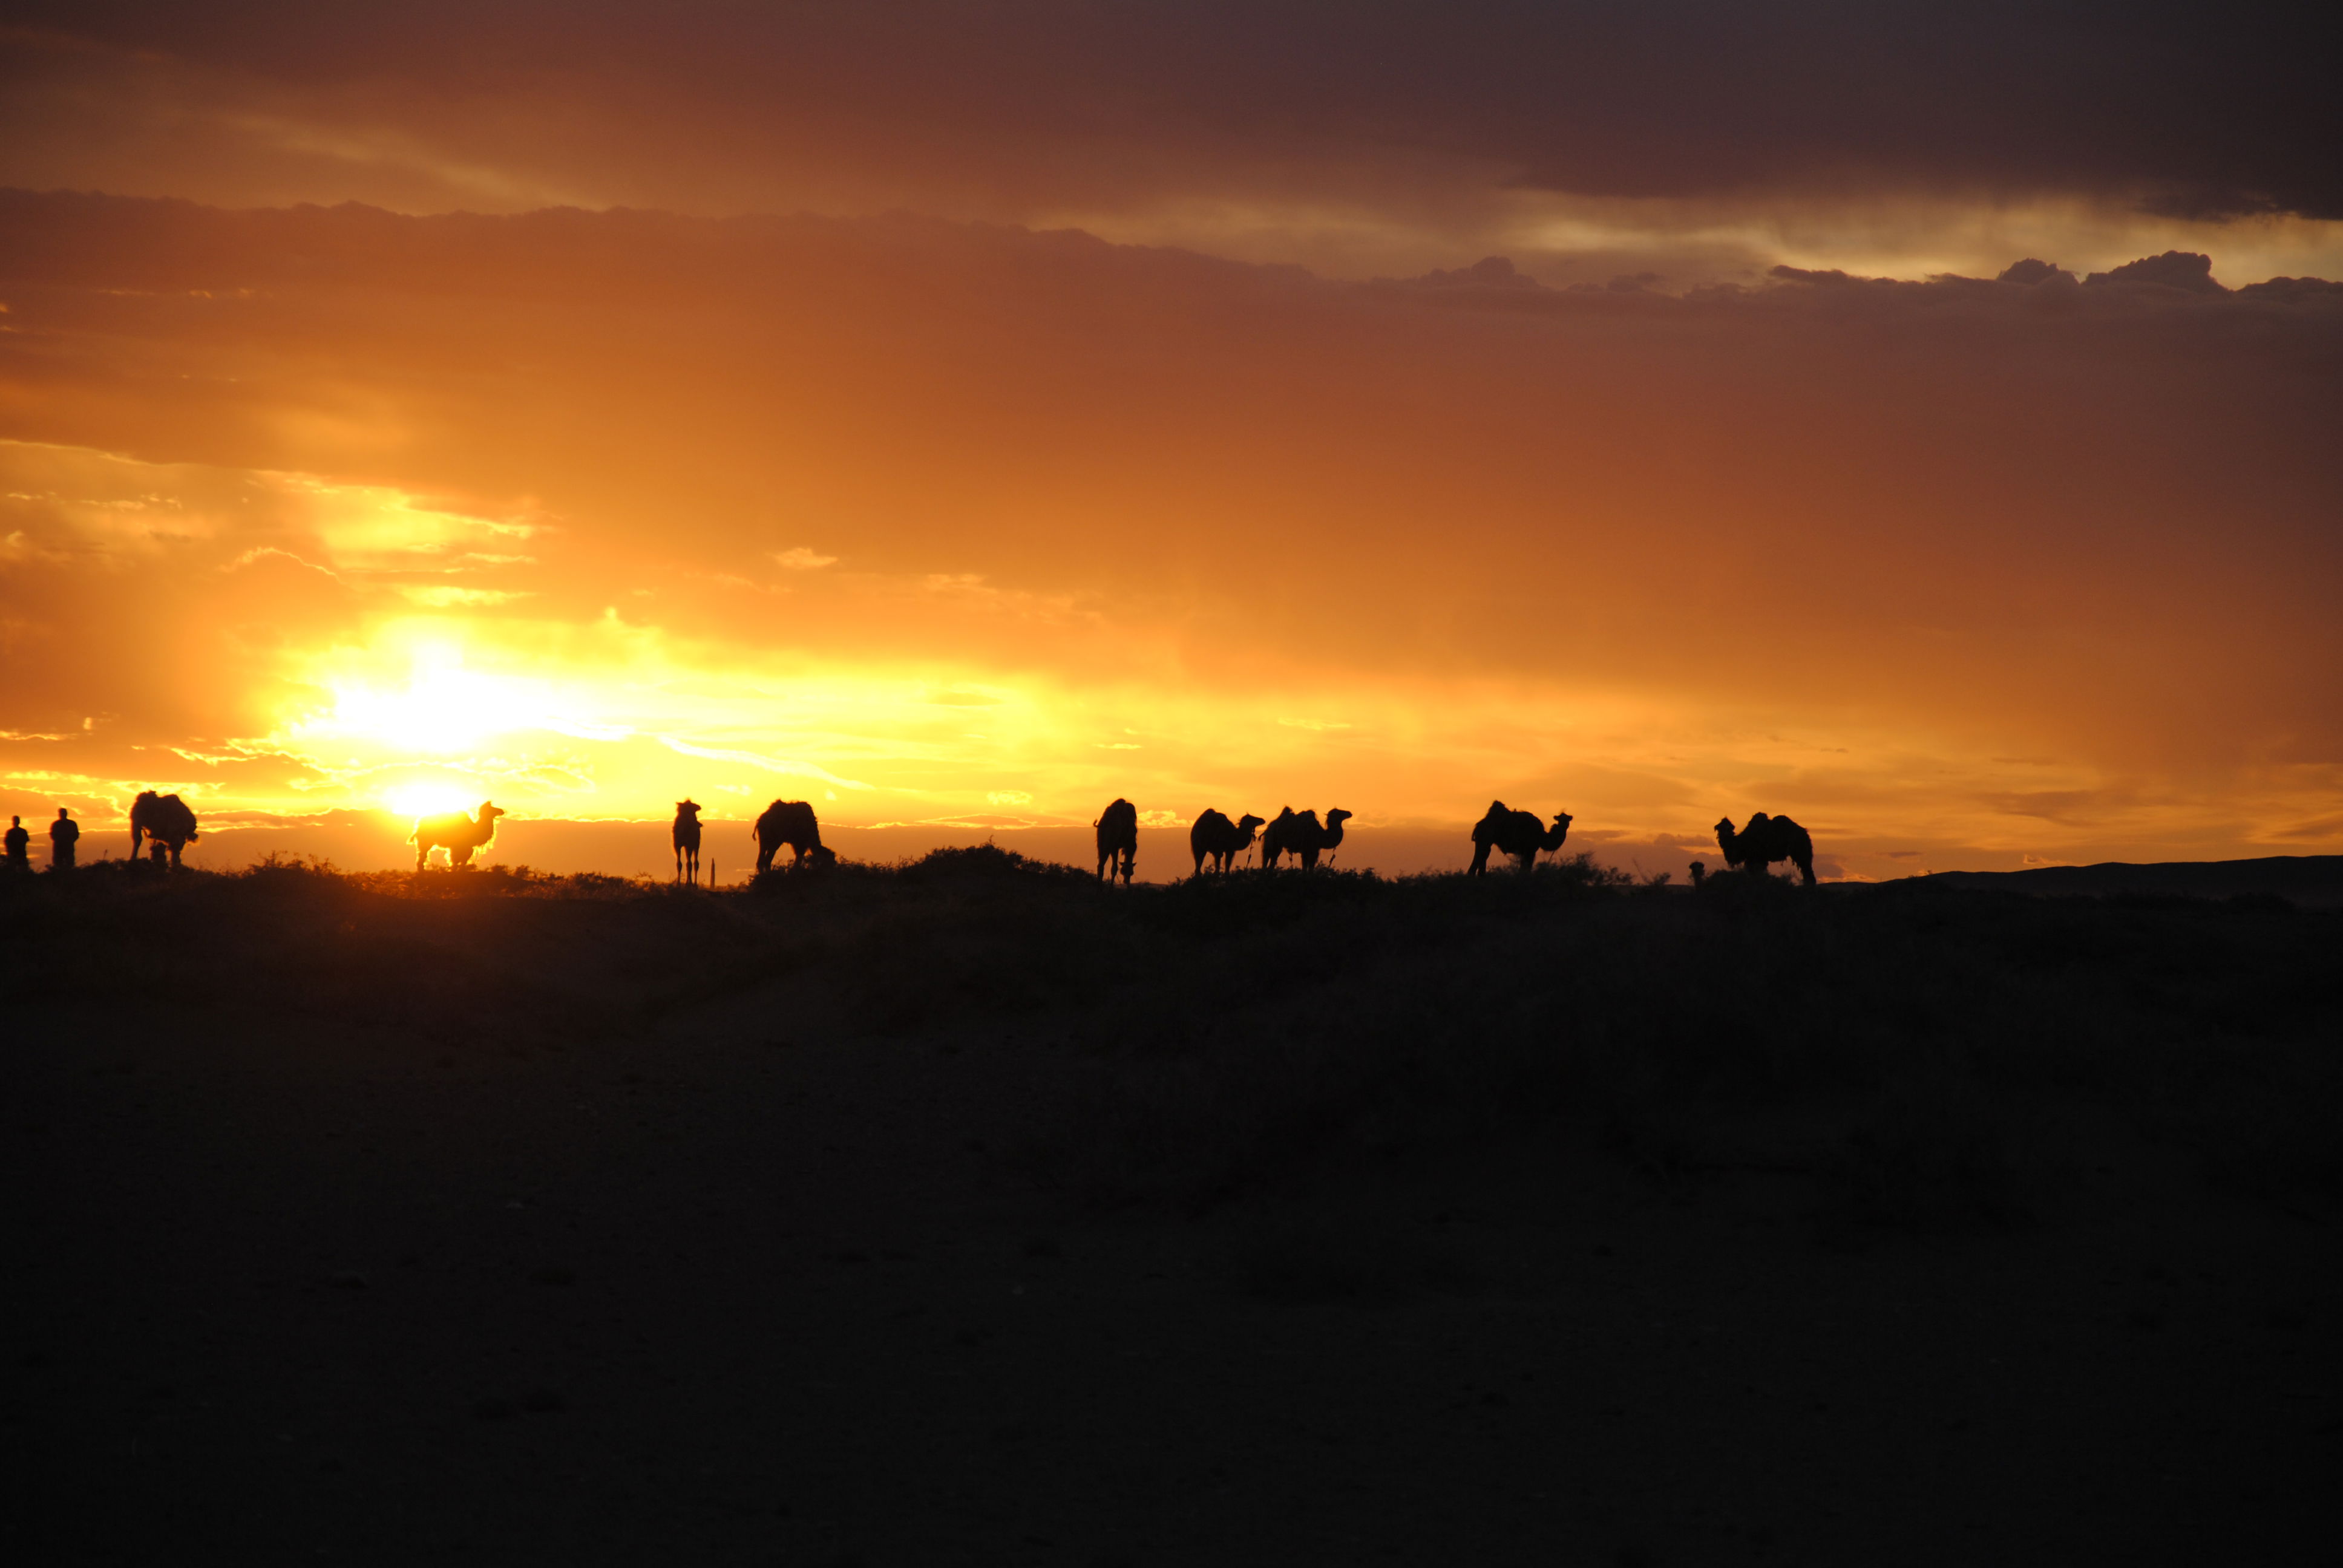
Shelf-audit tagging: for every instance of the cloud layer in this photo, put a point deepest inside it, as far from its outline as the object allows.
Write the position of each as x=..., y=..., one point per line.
x=1696, y=131
x=964, y=511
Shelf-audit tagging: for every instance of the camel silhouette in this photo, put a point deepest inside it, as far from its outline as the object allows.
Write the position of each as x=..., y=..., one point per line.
x=685, y=837
x=1299, y=835
x=165, y=821
x=1213, y=836
x=1118, y=840
x=1518, y=833
x=1764, y=841
x=790, y=822
x=453, y=831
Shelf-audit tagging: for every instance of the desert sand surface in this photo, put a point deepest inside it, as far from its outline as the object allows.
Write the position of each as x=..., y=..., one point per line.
x=982, y=1215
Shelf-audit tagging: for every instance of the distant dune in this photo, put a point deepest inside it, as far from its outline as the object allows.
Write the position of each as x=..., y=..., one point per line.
x=2313, y=881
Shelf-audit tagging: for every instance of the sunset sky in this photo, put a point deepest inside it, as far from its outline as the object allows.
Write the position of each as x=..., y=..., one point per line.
x=960, y=415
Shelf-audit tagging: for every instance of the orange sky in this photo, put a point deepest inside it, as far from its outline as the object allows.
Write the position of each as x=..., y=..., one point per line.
x=952, y=522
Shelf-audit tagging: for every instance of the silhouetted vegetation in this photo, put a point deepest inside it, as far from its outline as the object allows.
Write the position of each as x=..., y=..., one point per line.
x=1915, y=1055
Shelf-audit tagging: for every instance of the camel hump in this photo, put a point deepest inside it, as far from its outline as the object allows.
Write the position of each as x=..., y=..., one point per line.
x=783, y=815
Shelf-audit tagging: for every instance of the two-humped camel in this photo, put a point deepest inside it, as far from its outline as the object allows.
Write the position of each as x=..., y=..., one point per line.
x=1118, y=840
x=453, y=831
x=1215, y=837
x=1519, y=834
x=165, y=821
x=1765, y=840
x=790, y=822
x=1299, y=835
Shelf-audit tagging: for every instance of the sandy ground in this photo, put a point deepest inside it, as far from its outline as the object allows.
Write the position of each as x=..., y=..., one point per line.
x=740, y=1288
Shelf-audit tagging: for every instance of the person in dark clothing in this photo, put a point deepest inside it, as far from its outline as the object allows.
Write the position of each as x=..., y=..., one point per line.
x=20, y=844
x=62, y=834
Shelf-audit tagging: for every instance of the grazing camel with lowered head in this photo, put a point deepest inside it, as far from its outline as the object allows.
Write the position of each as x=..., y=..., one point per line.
x=1118, y=840
x=790, y=822
x=165, y=820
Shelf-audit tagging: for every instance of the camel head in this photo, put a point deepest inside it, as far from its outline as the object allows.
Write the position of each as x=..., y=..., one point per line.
x=1563, y=819
x=687, y=807
x=489, y=813
x=1724, y=829
x=821, y=855
x=1337, y=816
x=1247, y=823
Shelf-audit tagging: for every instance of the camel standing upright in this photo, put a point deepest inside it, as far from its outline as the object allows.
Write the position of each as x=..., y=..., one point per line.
x=686, y=837
x=1118, y=840
x=457, y=834
x=1518, y=833
x=1215, y=837
x=1765, y=840
x=1301, y=835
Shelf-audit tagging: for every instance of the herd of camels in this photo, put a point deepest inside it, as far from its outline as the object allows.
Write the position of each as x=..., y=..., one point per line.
x=168, y=823
x=1521, y=836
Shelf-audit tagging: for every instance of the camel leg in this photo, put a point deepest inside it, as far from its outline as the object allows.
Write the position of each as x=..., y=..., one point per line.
x=422, y=852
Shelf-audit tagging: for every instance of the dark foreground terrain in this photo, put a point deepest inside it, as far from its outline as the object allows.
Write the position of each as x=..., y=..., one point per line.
x=971, y=1212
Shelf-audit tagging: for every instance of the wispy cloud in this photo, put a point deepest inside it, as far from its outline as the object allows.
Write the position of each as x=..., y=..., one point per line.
x=759, y=760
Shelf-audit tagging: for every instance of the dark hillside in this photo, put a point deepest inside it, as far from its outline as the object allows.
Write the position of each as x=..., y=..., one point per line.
x=967, y=1210
x=2315, y=881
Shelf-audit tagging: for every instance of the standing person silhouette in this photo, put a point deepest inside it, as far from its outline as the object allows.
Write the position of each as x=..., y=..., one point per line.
x=20, y=843
x=62, y=834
